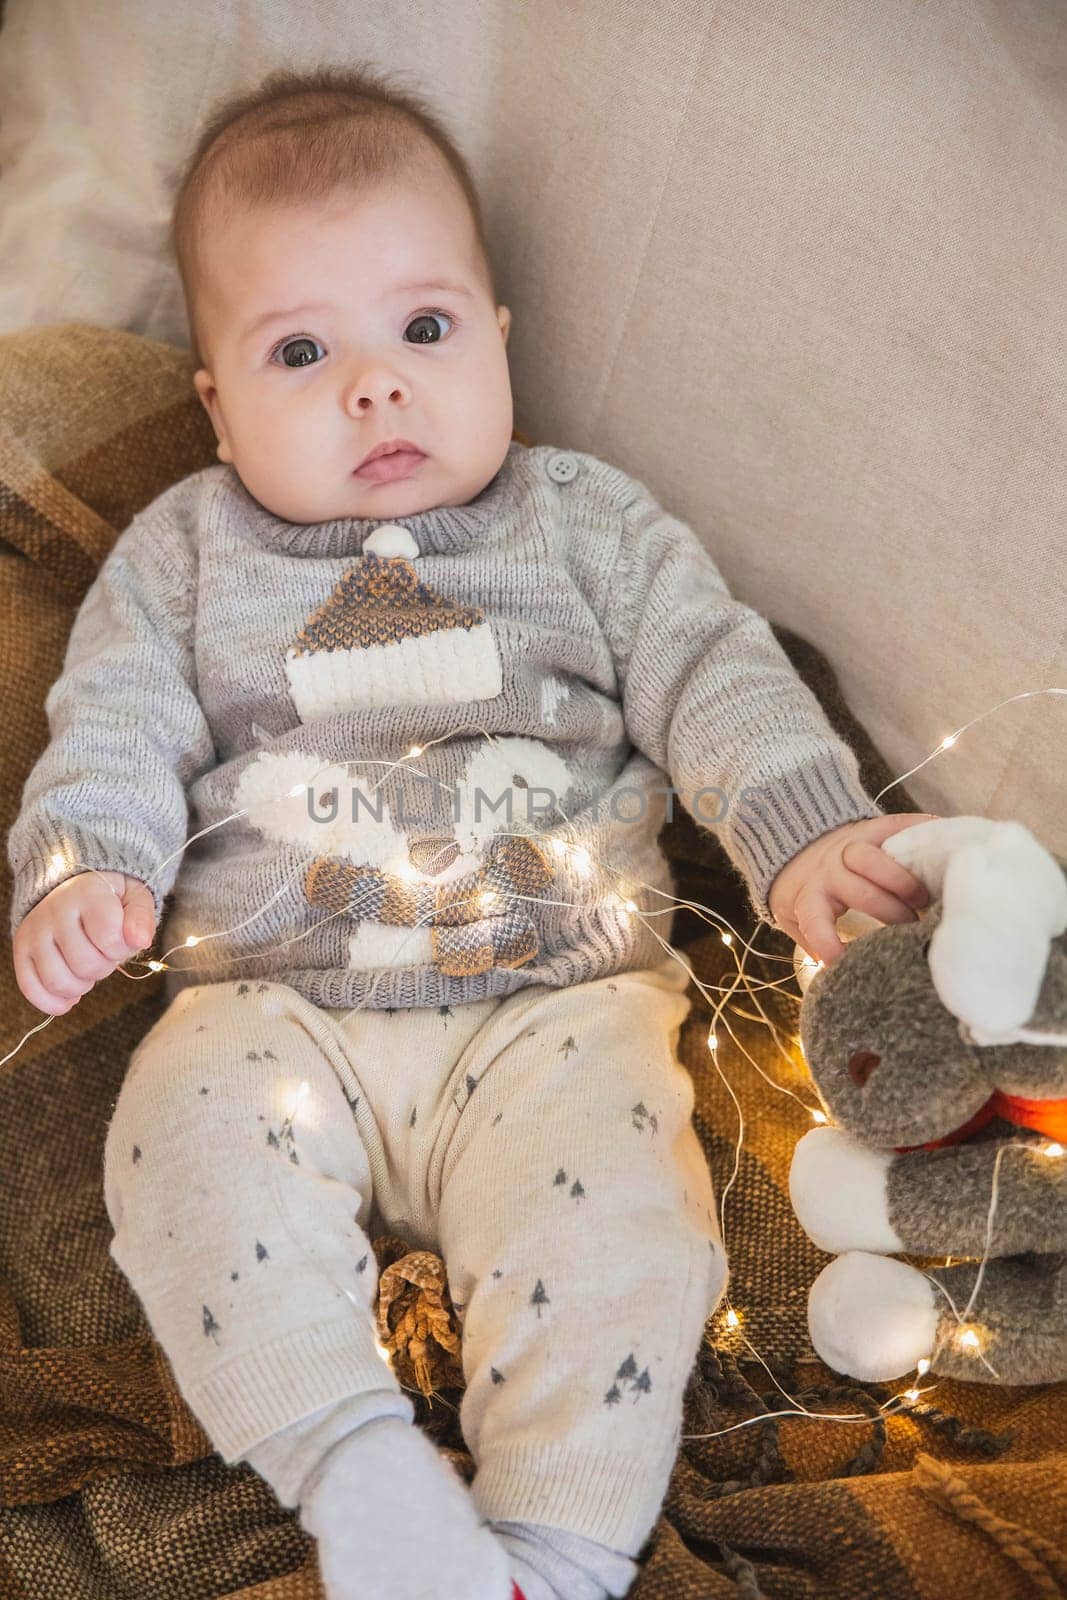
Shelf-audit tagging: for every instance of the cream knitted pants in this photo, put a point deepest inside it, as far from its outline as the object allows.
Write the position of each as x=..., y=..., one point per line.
x=540, y=1142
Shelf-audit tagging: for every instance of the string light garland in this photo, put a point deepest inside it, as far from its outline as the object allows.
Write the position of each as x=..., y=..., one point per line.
x=951, y=739
x=967, y=1334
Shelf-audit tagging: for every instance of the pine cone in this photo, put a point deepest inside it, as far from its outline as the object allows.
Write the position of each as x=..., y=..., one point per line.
x=416, y=1318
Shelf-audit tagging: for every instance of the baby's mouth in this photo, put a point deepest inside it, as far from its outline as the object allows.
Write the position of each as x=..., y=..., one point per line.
x=396, y=459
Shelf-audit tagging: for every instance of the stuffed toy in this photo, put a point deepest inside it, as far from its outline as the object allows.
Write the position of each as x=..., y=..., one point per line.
x=939, y=1051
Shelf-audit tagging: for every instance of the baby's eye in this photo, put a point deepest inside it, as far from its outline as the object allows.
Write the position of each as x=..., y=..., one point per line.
x=303, y=347
x=422, y=329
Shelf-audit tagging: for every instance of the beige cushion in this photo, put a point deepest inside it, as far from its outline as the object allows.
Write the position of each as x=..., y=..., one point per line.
x=798, y=267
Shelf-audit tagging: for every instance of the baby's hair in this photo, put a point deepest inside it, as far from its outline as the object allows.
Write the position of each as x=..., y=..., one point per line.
x=303, y=136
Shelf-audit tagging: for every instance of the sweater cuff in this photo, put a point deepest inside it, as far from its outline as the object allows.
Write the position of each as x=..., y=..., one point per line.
x=779, y=818
x=58, y=853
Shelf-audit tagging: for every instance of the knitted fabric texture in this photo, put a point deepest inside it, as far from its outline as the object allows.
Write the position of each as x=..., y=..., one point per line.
x=380, y=605
x=561, y=651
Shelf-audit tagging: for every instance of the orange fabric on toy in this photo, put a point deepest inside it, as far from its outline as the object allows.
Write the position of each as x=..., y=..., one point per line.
x=1044, y=1116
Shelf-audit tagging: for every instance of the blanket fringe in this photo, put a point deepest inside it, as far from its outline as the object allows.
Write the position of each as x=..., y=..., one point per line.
x=1032, y=1552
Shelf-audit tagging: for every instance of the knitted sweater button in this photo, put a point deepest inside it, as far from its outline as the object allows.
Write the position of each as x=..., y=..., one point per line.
x=561, y=467
x=391, y=539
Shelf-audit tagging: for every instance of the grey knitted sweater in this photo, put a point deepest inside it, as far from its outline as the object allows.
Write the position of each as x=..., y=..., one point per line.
x=562, y=652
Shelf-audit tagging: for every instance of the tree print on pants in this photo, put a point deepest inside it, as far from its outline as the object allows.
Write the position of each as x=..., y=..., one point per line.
x=577, y=1191
x=640, y=1382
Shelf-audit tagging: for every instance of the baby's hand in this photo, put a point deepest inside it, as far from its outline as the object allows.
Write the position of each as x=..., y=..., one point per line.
x=78, y=934
x=842, y=870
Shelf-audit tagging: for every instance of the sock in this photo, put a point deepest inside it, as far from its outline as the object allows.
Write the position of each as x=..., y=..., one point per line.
x=555, y=1564
x=548, y=1563
x=394, y=1519
x=287, y=1458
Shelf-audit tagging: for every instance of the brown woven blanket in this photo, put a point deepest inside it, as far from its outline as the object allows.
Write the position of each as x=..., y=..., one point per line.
x=109, y=1489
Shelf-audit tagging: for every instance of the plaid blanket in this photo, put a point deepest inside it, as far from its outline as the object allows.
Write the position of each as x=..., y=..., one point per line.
x=109, y=1488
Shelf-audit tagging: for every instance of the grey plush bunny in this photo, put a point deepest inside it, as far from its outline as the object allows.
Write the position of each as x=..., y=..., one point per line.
x=939, y=1049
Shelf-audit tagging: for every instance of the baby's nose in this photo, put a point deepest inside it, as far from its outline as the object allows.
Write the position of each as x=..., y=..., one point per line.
x=376, y=388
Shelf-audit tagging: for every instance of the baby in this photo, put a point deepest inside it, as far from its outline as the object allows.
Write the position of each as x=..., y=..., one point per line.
x=392, y=1007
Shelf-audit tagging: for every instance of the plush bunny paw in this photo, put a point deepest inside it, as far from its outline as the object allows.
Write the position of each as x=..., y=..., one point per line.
x=871, y=1317
x=839, y=1193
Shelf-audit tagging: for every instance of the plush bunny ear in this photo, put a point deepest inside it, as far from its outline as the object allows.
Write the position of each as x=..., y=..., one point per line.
x=1004, y=897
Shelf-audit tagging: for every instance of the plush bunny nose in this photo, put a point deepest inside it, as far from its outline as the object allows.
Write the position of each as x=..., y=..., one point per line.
x=861, y=1065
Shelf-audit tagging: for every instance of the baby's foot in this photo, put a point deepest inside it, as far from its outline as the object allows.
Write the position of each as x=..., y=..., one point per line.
x=553, y=1564
x=394, y=1519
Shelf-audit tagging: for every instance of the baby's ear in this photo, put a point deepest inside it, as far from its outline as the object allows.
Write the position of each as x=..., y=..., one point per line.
x=204, y=384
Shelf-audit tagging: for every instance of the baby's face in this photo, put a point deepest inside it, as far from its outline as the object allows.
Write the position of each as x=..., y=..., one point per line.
x=390, y=333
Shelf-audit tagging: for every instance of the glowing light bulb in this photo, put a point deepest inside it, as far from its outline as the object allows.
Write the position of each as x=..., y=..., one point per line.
x=818, y=1116
x=970, y=1339
x=382, y=1351
x=156, y=966
x=805, y=967
x=1053, y=1150
x=298, y=1098
x=57, y=860
x=581, y=858
x=416, y=750
x=732, y=1319
x=630, y=906
x=713, y=1043
x=922, y=1367
x=727, y=938
x=948, y=742
x=406, y=870
x=298, y=788
x=487, y=897
x=193, y=939
x=559, y=846
x=911, y=1394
